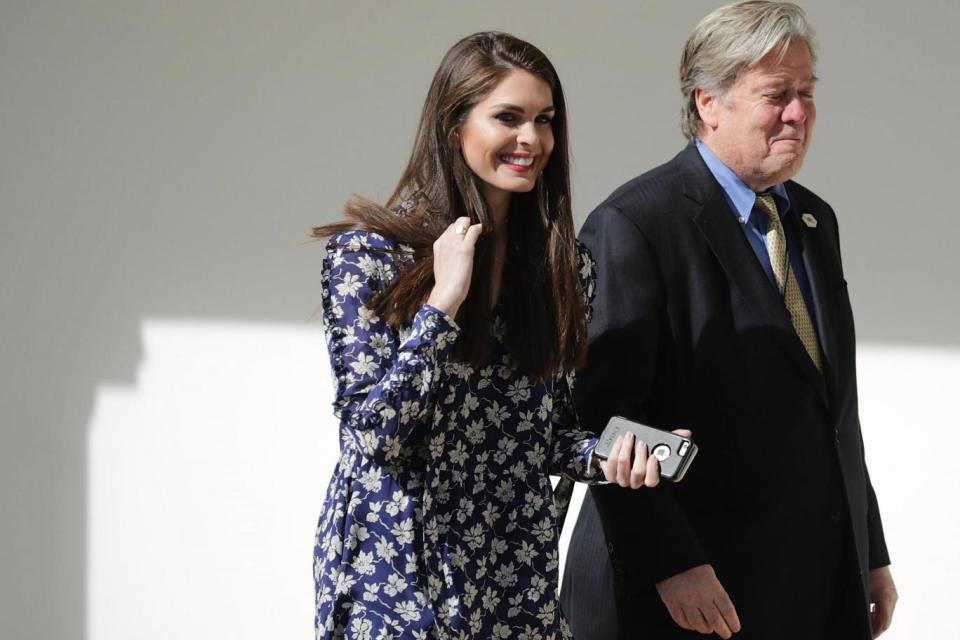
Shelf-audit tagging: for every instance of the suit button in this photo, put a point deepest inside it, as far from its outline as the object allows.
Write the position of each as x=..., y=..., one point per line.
x=610, y=548
x=836, y=516
x=836, y=436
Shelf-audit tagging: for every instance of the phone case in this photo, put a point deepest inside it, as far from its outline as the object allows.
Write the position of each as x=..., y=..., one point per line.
x=674, y=452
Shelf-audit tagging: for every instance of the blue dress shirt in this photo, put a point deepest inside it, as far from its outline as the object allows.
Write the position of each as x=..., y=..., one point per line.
x=742, y=200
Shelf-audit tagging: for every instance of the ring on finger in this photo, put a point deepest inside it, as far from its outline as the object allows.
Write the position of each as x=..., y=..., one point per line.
x=461, y=229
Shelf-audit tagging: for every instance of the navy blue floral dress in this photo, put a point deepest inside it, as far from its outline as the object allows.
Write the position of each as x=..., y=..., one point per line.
x=440, y=519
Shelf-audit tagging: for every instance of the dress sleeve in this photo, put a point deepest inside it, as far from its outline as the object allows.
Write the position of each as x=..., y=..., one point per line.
x=571, y=447
x=385, y=380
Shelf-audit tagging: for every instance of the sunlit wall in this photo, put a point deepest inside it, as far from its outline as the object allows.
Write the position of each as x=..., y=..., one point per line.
x=207, y=476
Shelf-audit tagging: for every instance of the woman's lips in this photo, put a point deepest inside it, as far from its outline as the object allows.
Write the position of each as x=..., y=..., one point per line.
x=519, y=163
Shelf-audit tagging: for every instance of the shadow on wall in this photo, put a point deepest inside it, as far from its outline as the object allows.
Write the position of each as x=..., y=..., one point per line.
x=158, y=170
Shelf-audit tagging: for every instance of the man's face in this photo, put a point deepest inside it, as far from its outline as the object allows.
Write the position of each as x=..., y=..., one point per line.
x=762, y=127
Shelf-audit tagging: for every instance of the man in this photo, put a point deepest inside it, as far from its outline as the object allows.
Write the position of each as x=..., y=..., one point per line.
x=722, y=306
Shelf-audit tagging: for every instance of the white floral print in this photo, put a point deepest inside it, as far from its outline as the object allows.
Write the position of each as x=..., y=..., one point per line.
x=440, y=521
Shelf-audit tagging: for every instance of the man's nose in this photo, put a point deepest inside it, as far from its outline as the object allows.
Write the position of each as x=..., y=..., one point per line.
x=796, y=110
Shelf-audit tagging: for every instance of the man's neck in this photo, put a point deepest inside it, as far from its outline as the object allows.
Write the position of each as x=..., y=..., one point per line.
x=756, y=183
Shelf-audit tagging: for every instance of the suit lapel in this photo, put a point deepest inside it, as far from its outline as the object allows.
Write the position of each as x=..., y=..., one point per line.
x=726, y=240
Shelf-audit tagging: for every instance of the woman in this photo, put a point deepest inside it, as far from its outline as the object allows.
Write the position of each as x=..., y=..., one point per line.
x=454, y=319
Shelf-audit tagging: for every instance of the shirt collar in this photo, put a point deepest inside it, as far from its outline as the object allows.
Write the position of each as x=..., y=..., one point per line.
x=739, y=195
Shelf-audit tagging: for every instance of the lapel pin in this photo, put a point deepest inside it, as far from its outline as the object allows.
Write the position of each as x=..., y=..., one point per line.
x=809, y=220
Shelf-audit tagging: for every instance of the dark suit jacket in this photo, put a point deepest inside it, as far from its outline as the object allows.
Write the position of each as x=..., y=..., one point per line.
x=687, y=331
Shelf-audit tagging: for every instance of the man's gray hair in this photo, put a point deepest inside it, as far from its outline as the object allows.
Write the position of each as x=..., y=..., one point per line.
x=731, y=40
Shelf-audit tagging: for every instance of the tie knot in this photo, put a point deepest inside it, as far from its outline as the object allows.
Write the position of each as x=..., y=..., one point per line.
x=768, y=205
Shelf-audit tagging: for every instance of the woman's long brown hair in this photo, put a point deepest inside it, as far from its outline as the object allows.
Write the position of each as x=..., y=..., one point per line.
x=543, y=304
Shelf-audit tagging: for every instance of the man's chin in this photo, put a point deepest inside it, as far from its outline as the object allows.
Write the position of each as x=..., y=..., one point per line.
x=786, y=166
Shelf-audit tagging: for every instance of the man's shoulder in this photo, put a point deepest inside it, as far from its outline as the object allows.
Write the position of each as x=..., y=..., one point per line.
x=661, y=181
x=649, y=194
x=806, y=200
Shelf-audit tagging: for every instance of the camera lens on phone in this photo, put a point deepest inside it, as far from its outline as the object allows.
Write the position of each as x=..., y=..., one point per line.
x=661, y=452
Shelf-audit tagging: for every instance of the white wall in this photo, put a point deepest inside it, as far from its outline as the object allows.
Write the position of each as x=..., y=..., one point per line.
x=205, y=484
x=206, y=479
x=160, y=165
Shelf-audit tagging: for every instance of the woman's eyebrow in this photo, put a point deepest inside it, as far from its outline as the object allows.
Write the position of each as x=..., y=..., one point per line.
x=512, y=107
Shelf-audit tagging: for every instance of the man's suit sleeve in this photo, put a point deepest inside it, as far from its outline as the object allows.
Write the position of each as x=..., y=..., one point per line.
x=648, y=533
x=877, y=554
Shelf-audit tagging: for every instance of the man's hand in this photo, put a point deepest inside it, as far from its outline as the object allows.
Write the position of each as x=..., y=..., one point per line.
x=883, y=593
x=697, y=601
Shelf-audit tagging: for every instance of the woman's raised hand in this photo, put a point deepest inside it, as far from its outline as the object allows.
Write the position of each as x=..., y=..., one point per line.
x=453, y=265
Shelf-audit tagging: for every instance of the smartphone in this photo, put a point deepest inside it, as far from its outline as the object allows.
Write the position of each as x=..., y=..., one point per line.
x=674, y=452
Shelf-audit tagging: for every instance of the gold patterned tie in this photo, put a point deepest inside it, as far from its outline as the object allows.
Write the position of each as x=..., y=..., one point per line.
x=787, y=281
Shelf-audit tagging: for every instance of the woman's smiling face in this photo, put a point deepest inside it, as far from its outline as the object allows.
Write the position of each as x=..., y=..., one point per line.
x=507, y=137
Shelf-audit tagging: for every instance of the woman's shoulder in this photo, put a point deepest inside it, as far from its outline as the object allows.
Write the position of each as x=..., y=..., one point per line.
x=360, y=241
x=364, y=256
x=357, y=244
